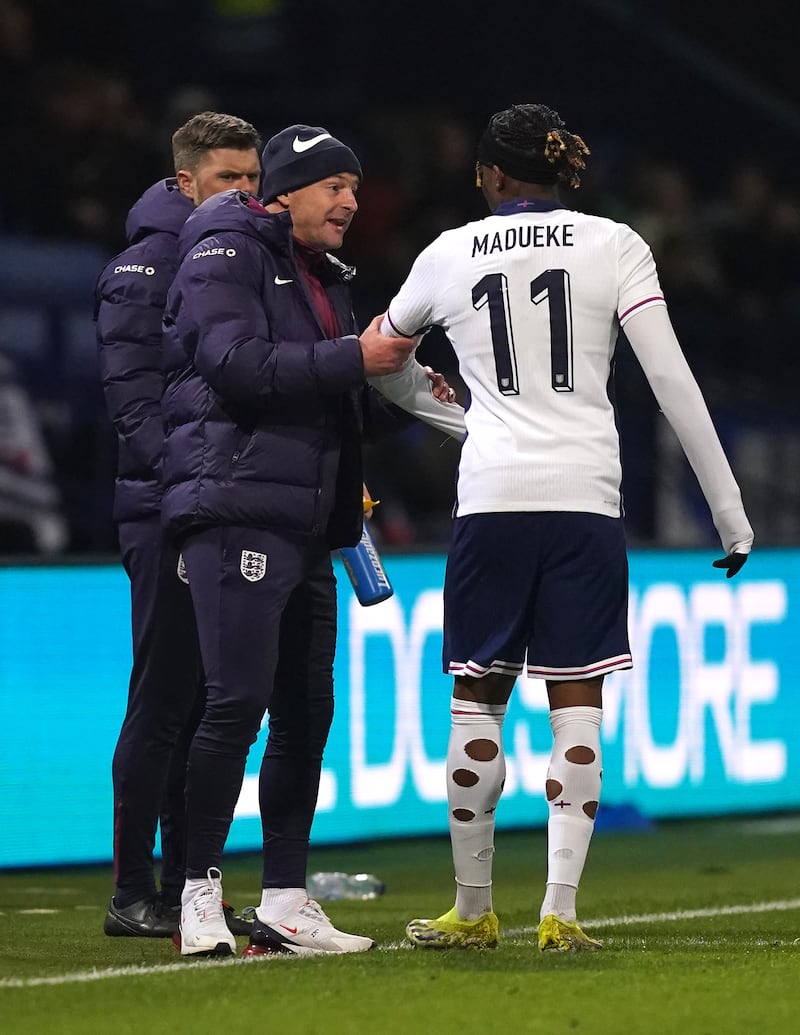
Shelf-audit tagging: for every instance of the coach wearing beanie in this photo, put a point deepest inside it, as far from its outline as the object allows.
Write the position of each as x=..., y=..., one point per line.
x=265, y=407
x=301, y=155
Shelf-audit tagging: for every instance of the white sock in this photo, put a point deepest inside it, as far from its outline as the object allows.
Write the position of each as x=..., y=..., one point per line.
x=476, y=771
x=277, y=902
x=573, y=793
x=559, y=899
x=473, y=902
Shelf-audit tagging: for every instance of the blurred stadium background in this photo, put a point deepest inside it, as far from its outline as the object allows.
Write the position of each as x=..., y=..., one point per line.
x=692, y=112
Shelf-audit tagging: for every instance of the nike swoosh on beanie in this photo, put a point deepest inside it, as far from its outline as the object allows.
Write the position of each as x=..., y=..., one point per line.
x=300, y=146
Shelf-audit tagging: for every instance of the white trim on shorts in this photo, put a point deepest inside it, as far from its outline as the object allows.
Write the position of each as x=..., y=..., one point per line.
x=472, y=668
x=599, y=668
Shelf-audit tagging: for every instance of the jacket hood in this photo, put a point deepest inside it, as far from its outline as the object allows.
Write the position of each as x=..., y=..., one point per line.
x=161, y=209
x=239, y=211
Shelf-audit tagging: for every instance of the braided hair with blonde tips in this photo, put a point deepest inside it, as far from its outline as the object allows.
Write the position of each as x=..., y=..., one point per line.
x=531, y=143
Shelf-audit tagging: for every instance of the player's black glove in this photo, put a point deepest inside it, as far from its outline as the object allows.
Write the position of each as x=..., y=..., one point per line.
x=733, y=562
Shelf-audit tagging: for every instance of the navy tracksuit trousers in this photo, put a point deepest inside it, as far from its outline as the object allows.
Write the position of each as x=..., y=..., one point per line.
x=265, y=603
x=165, y=700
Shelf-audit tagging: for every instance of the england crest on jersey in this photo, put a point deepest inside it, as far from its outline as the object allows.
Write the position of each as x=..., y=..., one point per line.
x=253, y=565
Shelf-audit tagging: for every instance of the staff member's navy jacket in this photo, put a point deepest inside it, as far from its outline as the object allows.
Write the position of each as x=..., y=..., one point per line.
x=129, y=304
x=264, y=414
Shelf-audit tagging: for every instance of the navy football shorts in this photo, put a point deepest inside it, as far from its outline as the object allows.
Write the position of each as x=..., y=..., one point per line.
x=552, y=586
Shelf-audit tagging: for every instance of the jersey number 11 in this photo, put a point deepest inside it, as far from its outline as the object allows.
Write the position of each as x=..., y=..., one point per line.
x=552, y=285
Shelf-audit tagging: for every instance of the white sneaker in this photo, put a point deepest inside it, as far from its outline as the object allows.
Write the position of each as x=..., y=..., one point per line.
x=305, y=930
x=203, y=930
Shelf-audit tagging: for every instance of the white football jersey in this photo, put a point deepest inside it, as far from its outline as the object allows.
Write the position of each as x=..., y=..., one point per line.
x=531, y=299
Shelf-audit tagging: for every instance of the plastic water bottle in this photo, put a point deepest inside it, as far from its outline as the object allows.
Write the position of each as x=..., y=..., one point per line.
x=329, y=885
x=365, y=570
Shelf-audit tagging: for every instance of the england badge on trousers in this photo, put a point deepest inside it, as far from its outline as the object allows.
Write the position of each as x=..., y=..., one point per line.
x=253, y=565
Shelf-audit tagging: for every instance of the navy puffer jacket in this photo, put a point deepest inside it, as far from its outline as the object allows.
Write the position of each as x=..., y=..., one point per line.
x=129, y=303
x=264, y=415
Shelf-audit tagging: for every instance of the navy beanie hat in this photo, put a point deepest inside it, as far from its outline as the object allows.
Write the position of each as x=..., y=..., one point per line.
x=300, y=155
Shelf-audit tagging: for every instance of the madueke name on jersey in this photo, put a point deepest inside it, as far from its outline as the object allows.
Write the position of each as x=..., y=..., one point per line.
x=528, y=235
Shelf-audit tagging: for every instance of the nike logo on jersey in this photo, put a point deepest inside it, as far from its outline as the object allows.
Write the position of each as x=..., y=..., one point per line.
x=280, y=280
x=291, y=930
x=300, y=146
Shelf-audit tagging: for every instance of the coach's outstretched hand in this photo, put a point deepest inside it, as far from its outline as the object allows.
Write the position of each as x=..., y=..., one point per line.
x=383, y=353
x=733, y=562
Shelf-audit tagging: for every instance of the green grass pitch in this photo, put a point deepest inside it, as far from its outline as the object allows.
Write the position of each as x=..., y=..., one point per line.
x=700, y=920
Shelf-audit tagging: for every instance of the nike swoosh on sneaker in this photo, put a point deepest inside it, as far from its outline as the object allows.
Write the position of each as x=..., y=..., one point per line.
x=291, y=930
x=300, y=146
x=280, y=280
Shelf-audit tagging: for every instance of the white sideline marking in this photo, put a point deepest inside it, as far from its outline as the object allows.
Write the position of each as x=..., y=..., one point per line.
x=115, y=972
x=768, y=827
x=780, y=906
x=696, y=914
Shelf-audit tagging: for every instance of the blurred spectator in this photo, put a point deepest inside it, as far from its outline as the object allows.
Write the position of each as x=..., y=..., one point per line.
x=757, y=231
x=19, y=66
x=445, y=187
x=95, y=140
x=742, y=221
x=31, y=520
x=663, y=204
x=18, y=63
x=179, y=106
